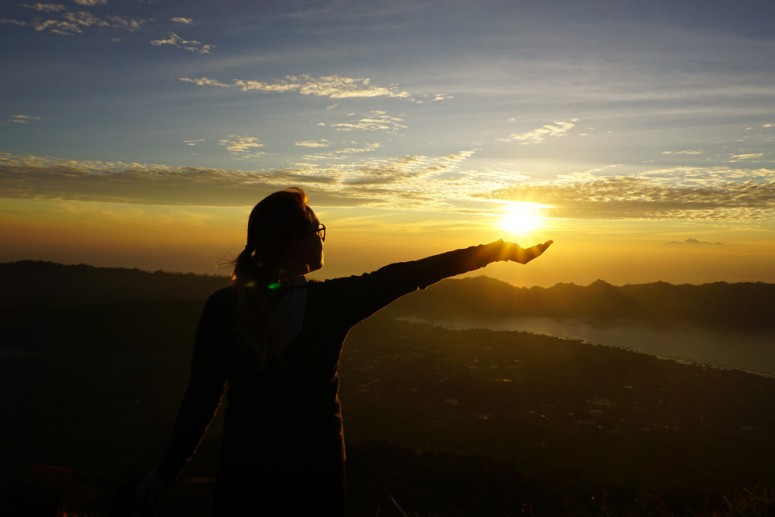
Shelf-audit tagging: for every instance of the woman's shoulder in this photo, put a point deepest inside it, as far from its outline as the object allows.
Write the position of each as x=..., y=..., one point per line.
x=221, y=299
x=223, y=293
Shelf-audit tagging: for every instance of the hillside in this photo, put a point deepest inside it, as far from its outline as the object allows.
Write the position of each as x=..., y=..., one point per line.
x=737, y=305
x=439, y=422
x=32, y=282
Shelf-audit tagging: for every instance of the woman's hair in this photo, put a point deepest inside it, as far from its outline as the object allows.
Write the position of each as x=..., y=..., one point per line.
x=273, y=224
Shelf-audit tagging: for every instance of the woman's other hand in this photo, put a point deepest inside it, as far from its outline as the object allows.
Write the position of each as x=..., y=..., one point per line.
x=147, y=492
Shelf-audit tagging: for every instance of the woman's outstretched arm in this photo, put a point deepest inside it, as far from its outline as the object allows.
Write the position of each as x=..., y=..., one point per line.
x=351, y=299
x=424, y=272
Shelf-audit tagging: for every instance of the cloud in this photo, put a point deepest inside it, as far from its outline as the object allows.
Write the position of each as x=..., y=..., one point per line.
x=417, y=182
x=377, y=120
x=183, y=20
x=125, y=22
x=190, y=45
x=72, y=22
x=678, y=194
x=332, y=86
x=412, y=182
x=8, y=21
x=536, y=136
x=204, y=81
x=746, y=156
x=343, y=153
x=85, y=19
x=63, y=28
x=24, y=119
x=768, y=125
x=91, y=2
x=439, y=97
x=695, y=242
x=690, y=152
x=193, y=142
x=312, y=143
x=45, y=8
x=338, y=87
x=51, y=178
x=242, y=146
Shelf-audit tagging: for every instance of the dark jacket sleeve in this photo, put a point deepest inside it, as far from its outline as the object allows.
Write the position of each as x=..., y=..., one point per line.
x=203, y=393
x=352, y=299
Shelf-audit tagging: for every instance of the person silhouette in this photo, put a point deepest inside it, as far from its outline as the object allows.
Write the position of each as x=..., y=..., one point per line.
x=275, y=339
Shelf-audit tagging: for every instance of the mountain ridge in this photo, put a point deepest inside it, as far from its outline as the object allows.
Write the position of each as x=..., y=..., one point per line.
x=718, y=304
x=34, y=282
x=742, y=305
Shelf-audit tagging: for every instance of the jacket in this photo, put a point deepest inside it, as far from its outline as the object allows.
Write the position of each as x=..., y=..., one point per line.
x=291, y=416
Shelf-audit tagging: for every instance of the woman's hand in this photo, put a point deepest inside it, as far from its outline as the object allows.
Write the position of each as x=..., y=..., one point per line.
x=147, y=492
x=515, y=253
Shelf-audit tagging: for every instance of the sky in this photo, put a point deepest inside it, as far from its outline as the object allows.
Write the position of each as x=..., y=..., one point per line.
x=638, y=135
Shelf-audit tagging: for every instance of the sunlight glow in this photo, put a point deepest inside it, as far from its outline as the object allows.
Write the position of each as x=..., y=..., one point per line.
x=521, y=218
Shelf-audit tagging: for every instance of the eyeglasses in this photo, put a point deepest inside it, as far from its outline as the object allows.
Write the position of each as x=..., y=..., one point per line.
x=320, y=231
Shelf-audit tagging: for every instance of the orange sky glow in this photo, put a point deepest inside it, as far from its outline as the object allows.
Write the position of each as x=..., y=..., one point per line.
x=204, y=240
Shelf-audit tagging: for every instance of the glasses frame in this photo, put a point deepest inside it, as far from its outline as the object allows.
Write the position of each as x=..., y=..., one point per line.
x=320, y=231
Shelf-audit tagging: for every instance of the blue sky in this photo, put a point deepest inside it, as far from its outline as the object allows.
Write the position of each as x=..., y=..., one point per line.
x=599, y=110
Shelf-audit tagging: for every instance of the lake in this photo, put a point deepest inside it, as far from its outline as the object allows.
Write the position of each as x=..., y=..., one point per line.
x=752, y=352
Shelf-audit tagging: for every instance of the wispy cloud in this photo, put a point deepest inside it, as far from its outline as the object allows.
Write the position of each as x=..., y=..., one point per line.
x=70, y=23
x=63, y=28
x=85, y=19
x=125, y=22
x=440, y=97
x=409, y=182
x=242, y=146
x=24, y=119
x=695, y=242
x=9, y=21
x=342, y=153
x=193, y=142
x=377, y=120
x=332, y=86
x=204, y=81
x=45, y=8
x=536, y=136
x=190, y=45
x=688, y=152
x=182, y=19
x=745, y=156
x=312, y=143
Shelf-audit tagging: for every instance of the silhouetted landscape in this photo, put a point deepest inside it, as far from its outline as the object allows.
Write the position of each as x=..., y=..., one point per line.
x=438, y=421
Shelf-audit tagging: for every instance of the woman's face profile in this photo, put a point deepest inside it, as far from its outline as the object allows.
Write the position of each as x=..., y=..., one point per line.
x=311, y=245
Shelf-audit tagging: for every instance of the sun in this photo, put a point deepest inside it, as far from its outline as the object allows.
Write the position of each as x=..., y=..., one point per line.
x=521, y=218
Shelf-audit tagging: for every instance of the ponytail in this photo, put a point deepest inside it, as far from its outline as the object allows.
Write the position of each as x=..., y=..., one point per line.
x=245, y=270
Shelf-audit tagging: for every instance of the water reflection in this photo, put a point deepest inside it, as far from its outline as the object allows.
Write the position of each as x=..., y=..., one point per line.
x=751, y=352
